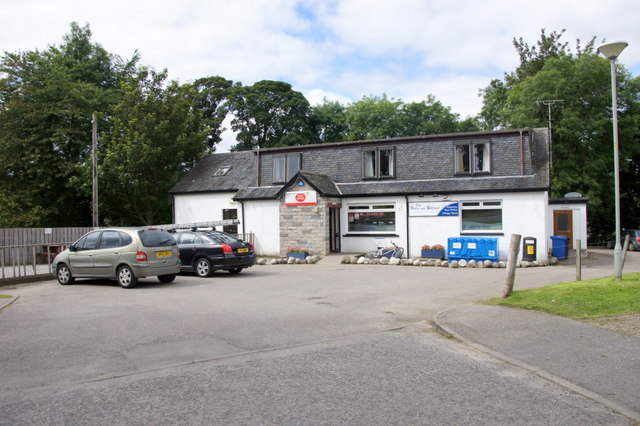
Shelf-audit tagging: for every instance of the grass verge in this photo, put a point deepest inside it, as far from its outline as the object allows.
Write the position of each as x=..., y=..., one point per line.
x=5, y=296
x=598, y=298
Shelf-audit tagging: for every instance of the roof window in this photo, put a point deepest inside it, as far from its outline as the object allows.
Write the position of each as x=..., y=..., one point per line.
x=222, y=171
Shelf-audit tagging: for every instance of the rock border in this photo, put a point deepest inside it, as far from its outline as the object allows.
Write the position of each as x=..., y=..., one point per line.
x=310, y=260
x=361, y=260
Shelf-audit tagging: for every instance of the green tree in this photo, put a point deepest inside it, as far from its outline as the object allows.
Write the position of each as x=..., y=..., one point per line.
x=329, y=121
x=268, y=112
x=156, y=136
x=582, y=158
x=430, y=117
x=46, y=102
x=213, y=93
x=375, y=117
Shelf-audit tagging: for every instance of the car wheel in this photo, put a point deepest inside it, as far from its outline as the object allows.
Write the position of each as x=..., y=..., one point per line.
x=203, y=267
x=235, y=271
x=166, y=279
x=126, y=278
x=63, y=274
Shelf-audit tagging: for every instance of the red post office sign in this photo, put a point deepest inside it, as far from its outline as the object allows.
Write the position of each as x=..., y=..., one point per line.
x=300, y=198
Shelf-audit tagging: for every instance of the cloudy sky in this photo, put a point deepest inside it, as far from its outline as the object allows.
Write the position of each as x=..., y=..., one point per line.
x=338, y=49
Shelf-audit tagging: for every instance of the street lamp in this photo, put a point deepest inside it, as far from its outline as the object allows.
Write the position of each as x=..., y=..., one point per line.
x=611, y=51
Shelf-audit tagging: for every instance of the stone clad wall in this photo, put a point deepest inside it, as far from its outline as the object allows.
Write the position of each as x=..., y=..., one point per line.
x=305, y=226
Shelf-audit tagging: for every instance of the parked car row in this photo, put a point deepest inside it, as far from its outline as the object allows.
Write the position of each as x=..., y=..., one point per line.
x=127, y=254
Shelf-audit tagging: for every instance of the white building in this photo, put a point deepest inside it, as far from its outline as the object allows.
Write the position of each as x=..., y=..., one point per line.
x=346, y=197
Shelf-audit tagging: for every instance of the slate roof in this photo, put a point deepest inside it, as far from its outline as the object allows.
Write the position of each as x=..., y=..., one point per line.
x=321, y=183
x=201, y=178
x=443, y=186
x=242, y=178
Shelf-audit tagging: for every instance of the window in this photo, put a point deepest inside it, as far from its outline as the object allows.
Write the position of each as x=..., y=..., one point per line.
x=230, y=214
x=88, y=242
x=156, y=238
x=222, y=171
x=371, y=218
x=285, y=167
x=110, y=239
x=472, y=157
x=481, y=216
x=378, y=163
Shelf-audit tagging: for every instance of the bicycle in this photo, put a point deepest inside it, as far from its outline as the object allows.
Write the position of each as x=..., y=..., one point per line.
x=382, y=251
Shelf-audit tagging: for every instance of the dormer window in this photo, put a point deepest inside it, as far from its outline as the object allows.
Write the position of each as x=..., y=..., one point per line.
x=285, y=167
x=472, y=157
x=222, y=171
x=378, y=163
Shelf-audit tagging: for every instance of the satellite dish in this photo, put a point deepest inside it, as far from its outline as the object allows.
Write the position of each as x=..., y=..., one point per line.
x=573, y=195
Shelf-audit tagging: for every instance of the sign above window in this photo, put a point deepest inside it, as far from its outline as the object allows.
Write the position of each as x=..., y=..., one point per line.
x=300, y=198
x=433, y=208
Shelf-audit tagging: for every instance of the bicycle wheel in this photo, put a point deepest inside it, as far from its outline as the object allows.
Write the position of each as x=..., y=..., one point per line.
x=398, y=252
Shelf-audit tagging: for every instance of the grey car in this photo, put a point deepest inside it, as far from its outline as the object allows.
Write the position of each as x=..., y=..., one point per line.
x=634, y=239
x=125, y=254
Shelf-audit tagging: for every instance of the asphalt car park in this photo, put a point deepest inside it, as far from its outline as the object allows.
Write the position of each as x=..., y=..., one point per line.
x=271, y=345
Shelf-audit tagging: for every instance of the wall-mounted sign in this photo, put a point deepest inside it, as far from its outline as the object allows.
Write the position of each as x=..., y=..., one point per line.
x=300, y=198
x=433, y=208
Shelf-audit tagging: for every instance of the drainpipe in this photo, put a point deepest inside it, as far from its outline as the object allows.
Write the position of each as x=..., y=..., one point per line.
x=244, y=227
x=522, y=153
x=406, y=198
x=258, y=165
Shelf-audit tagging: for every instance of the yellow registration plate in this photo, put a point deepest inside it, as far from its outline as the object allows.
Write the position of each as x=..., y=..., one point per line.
x=243, y=250
x=165, y=253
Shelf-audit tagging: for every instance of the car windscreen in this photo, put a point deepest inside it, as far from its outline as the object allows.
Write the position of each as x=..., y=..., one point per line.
x=156, y=238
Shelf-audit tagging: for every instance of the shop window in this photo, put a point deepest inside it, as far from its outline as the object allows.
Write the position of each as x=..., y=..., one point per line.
x=285, y=167
x=481, y=216
x=371, y=218
x=378, y=163
x=472, y=157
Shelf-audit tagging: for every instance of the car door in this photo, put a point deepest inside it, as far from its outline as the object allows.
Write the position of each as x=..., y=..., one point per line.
x=109, y=251
x=81, y=254
x=186, y=246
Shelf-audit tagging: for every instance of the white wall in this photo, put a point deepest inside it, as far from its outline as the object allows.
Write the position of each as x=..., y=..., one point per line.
x=190, y=208
x=263, y=219
x=260, y=217
x=579, y=220
x=522, y=213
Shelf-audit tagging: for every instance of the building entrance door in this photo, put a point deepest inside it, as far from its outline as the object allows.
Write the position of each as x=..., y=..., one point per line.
x=334, y=230
x=563, y=225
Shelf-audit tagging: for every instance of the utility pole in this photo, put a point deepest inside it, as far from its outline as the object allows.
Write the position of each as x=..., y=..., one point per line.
x=548, y=103
x=94, y=169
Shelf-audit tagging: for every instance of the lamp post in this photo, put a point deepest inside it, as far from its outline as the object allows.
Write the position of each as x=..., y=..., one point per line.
x=611, y=51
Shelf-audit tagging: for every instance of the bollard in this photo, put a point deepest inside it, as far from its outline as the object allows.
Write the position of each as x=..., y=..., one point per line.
x=578, y=261
x=514, y=248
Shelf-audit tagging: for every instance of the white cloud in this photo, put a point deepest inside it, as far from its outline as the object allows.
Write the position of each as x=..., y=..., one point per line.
x=341, y=49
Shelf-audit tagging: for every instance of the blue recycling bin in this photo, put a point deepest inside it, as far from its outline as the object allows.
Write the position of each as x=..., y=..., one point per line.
x=559, y=245
x=472, y=248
